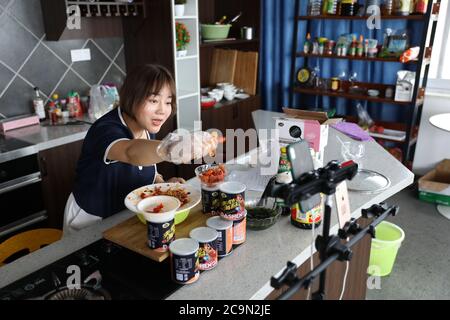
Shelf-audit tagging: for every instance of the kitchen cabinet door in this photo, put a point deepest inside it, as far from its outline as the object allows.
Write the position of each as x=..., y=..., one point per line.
x=58, y=167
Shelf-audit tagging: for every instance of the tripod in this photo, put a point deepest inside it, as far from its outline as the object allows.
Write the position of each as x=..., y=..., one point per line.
x=330, y=248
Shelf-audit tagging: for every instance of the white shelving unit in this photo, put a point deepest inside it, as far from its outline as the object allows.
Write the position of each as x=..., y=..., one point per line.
x=187, y=69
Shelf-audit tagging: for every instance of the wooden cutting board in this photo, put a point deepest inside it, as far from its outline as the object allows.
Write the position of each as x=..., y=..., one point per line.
x=132, y=233
x=223, y=66
x=246, y=73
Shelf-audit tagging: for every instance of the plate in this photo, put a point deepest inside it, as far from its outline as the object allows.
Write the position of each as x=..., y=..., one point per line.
x=133, y=198
x=390, y=134
x=368, y=182
x=242, y=96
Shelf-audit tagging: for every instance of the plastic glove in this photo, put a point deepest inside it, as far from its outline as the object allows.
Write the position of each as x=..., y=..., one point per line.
x=181, y=148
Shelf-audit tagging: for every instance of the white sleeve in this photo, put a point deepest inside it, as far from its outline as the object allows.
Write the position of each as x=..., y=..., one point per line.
x=105, y=157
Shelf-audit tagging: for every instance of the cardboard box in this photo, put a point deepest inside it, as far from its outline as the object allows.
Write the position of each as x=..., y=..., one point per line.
x=18, y=122
x=434, y=187
x=308, y=125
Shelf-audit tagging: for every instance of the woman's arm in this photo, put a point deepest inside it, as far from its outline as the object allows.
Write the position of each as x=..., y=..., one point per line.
x=137, y=152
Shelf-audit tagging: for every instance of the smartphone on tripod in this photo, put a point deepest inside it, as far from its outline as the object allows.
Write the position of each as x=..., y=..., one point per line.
x=299, y=155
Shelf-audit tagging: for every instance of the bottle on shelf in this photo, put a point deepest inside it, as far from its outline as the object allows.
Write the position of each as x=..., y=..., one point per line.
x=388, y=7
x=353, y=47
x=360, y=47
x=314, y=7
x=38, y=104
x=330, y=7
x=307, y=46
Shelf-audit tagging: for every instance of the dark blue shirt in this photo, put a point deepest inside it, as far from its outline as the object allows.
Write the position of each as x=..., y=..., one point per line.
x=102, y=185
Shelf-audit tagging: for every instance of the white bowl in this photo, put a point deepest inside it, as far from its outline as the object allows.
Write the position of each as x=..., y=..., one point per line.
x=230, y=95
x=222, y=85
x=216, y=94
x=171, y=205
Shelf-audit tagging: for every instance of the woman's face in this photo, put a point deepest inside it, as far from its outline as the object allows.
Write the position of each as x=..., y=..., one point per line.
x=155, y=111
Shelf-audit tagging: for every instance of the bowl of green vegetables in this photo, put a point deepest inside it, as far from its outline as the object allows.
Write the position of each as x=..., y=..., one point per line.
x=261, y=217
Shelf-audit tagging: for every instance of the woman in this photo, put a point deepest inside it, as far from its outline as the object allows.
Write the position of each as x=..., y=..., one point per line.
x=118, y=153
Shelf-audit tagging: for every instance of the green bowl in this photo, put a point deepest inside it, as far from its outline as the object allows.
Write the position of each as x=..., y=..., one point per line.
x=180, y=216
x=215, y=31
x=261, y=218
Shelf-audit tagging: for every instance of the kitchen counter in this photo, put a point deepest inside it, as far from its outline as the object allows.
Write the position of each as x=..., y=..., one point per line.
x=246, y=273
x=42, y=137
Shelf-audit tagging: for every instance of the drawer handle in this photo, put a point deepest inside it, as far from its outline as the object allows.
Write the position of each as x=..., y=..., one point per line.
x=20, y=182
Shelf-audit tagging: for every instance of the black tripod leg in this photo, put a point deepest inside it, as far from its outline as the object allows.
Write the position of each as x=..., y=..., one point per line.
x=320, y=295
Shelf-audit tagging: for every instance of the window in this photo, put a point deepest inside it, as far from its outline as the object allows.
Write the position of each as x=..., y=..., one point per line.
x=439, y=74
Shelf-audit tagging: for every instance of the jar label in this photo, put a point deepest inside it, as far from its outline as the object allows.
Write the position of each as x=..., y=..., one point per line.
x=161, y=235
x=185, y=269
x=207, y=255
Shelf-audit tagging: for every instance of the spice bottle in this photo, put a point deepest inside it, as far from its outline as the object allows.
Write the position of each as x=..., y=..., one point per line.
x=353, y=46
x=307, y=46
x=284, y=176
x=38, y=104
x=360, y=47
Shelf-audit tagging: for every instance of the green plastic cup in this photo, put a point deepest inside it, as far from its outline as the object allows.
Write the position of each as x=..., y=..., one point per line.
x=384, y=248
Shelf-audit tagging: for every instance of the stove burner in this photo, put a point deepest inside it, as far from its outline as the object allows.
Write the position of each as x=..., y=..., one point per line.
x=84, y=293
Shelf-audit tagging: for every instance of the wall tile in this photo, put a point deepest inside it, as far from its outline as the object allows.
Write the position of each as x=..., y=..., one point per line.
x=120, y=61
x=92, y=70
x=43, y=69
x=5, y=77
x=62, y=48
x=29, y=13
x=4, y=3
x=19, y=27
x=110, y=45
x=72, y=82
x=18, y=99
x=114, y=76
x=16, y=42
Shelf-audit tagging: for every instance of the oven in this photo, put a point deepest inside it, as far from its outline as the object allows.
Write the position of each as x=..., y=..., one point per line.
x=21, y=199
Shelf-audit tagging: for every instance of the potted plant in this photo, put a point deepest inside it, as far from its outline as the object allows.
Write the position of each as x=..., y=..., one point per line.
x=179, y=7
x=183, y=39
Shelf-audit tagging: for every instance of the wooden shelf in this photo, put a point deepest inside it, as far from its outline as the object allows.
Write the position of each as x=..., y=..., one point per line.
x=226, y=103
x=389, y=125
x=351, y=96
x=227, y=42
x=336, y=17
x=334, y=56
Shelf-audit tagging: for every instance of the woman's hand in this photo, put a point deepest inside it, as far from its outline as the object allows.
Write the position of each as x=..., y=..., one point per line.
x=176, y=180
x=159, y=179
x=182, y=148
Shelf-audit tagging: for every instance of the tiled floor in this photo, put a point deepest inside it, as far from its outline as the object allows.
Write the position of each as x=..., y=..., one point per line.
x=422, y=268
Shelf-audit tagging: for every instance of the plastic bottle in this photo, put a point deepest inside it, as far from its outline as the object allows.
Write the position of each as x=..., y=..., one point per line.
x=307, y=46
x=353, y=46
x=360, y=47
x=284, y=176
x=38, y=104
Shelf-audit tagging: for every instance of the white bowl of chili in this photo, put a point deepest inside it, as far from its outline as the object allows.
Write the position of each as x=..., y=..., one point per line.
x=188, y=195
x=155, y=209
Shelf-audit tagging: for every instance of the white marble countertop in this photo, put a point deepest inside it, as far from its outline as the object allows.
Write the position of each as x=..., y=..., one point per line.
x=246, y=273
